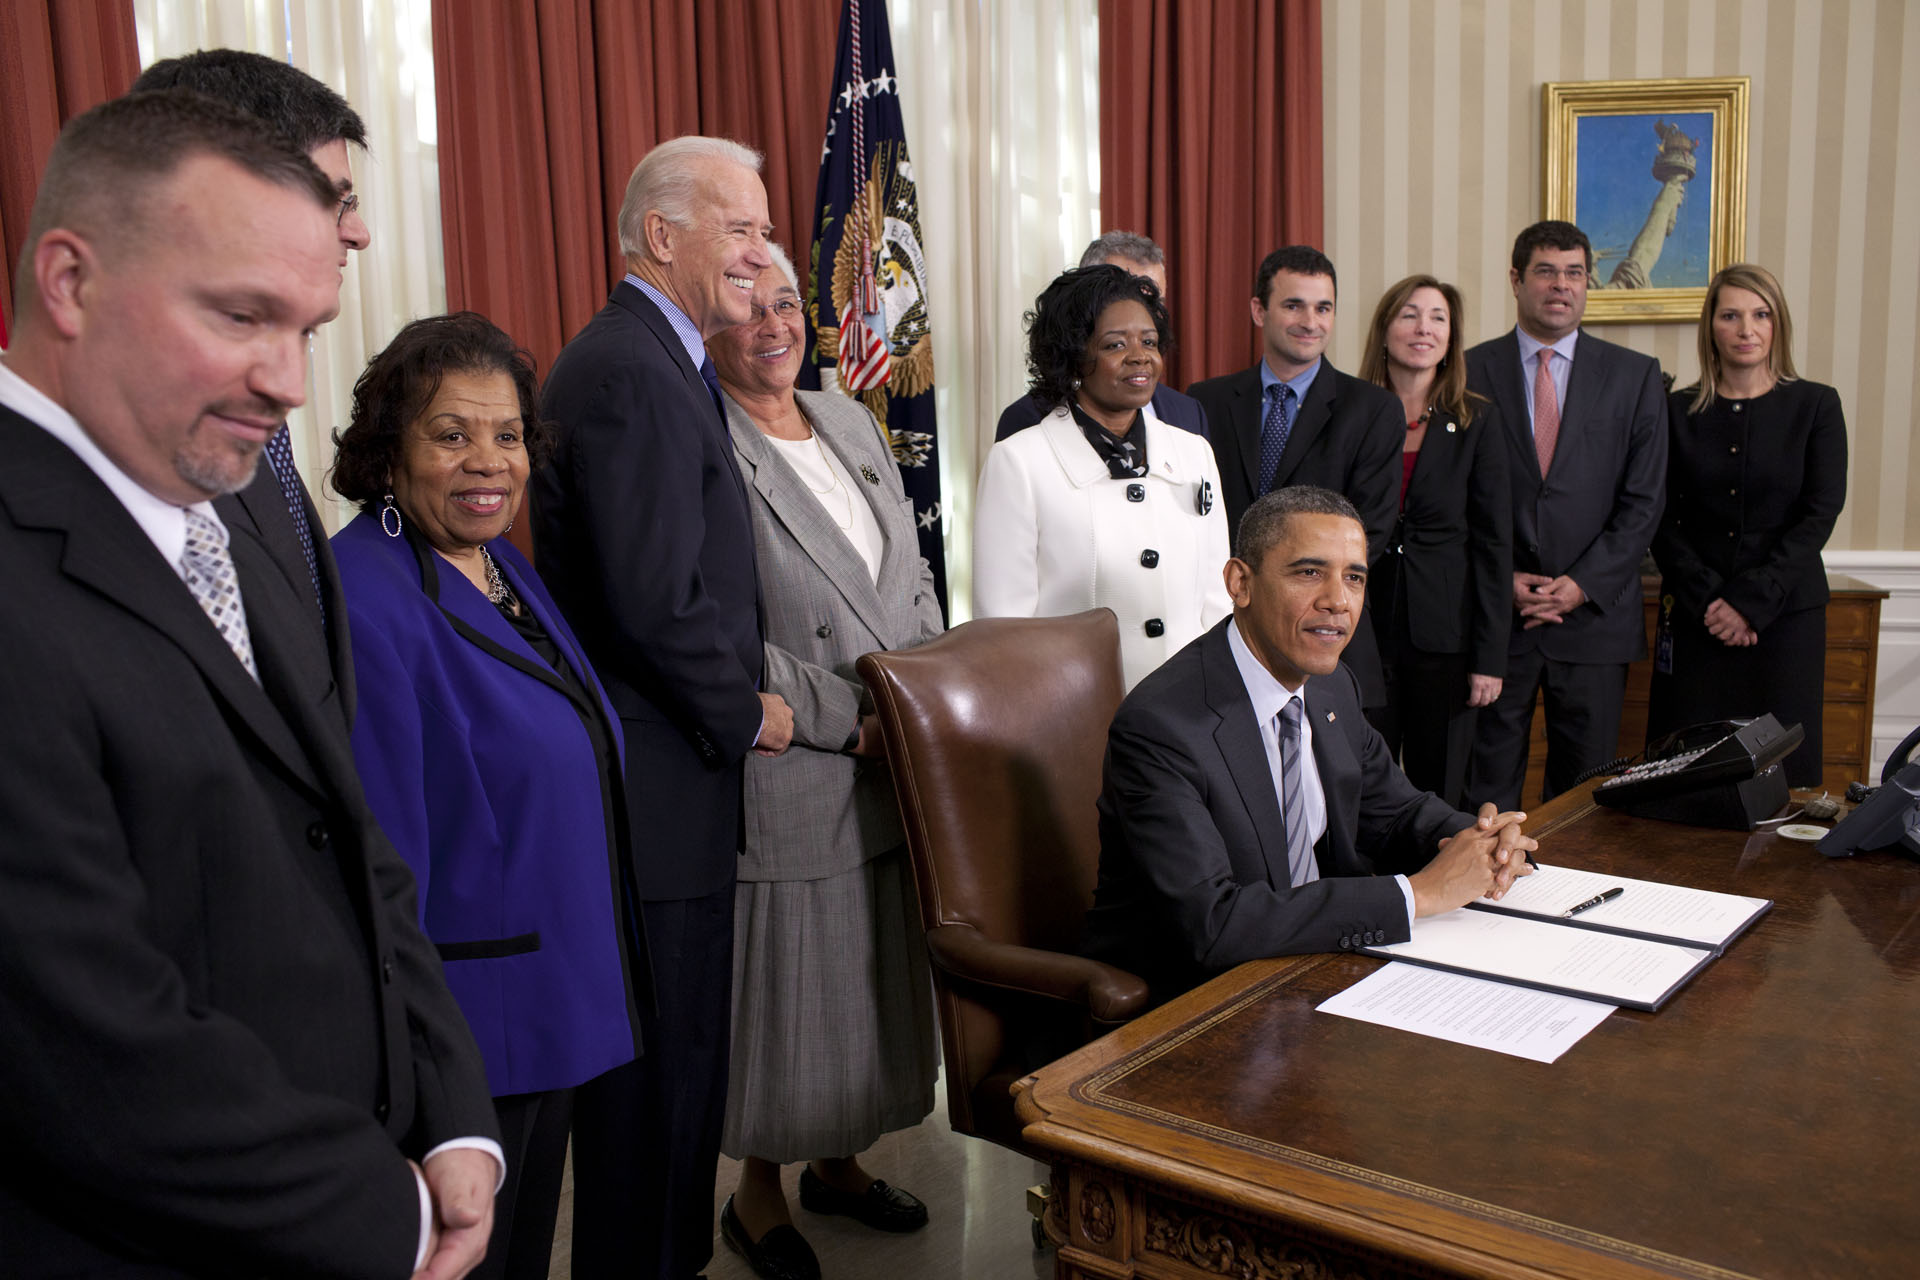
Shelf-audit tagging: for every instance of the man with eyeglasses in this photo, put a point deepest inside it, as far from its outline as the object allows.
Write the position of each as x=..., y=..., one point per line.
x=1587, y=424
x=276, y=505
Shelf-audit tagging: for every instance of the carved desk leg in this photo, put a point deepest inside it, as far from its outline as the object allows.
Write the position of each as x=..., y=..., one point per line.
x=1110, y=1229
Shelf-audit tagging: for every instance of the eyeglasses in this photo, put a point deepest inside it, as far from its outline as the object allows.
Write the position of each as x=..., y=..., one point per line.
x=1547, y=275
x=347, y=205
x=785, y=308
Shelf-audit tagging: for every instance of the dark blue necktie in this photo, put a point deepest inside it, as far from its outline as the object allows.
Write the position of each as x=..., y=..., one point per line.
x=711, y=376
x=280, y=460
x=1274, y=429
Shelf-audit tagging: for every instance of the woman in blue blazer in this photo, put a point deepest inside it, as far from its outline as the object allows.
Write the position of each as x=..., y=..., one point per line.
x=1439, y=594
x=487, y=748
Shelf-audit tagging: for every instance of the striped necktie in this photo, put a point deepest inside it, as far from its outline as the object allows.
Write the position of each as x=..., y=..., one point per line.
x=1302, y=868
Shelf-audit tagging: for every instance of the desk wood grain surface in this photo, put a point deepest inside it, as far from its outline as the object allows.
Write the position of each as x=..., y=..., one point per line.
x=1766, y=1122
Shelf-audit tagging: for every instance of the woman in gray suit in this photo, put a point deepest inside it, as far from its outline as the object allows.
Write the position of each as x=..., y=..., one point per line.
x=832, y=1029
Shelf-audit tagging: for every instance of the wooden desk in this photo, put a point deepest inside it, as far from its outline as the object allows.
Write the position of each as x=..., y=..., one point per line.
x=1766, y=1122
x=1853, y=642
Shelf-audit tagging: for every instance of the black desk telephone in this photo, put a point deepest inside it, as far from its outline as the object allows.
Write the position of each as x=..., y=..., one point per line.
x=1889, y=817
x=1724, y=774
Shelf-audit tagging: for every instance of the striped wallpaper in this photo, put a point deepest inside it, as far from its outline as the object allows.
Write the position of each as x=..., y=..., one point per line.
x=1434, y=161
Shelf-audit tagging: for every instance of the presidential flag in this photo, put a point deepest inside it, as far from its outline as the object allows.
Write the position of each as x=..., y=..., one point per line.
x=867, y=292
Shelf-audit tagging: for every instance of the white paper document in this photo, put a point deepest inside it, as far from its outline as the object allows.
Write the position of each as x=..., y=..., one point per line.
x=1548, y=954
x=1646, y=906
x=1473, y=1011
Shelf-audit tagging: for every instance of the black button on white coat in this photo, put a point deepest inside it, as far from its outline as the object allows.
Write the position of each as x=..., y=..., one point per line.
x=1136, y=493
x=1149, y=558
x=1156, y=628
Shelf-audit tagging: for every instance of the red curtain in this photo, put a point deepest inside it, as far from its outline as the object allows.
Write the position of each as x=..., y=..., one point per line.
x=57, y=58
x=545, y=109
x=1210, y=143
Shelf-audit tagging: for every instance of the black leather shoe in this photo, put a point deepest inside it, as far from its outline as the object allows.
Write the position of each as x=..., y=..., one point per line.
x=880, y=1206
x=781, y=1254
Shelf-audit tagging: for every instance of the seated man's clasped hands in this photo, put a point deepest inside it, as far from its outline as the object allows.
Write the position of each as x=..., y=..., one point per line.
x=1247, y=807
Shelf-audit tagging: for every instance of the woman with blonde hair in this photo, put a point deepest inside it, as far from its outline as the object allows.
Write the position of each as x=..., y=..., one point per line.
x=1756, y=477
x=1439, y=594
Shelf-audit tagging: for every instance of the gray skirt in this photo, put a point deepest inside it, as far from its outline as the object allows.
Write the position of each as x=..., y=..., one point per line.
x=833, y=1040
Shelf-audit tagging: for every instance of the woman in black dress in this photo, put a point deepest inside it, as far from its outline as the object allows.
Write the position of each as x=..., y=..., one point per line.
x=1756, y=476
x=1440, y=595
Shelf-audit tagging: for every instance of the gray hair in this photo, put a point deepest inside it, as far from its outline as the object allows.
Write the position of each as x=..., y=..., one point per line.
x=667, y=179
x=782, y=261
x=1130, y=245
x=1265, y=522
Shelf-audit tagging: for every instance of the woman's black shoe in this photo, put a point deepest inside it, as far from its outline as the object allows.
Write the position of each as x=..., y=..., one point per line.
x=880, y=1206
x=781, y=1254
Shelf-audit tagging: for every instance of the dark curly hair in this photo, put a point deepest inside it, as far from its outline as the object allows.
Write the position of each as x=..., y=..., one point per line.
x=1060, y=326
x=398, y=384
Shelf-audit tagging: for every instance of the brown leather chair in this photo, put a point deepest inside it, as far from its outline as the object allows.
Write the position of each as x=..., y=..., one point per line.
x=995, y=734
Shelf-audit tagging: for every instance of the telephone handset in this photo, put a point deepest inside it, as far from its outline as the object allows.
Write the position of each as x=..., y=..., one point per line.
x=1722, y=774
x=1890, y=816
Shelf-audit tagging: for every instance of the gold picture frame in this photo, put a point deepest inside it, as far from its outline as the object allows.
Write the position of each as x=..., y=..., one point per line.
x=1643, y=146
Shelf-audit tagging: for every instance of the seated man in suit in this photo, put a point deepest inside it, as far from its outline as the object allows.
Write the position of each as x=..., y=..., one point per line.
x=228, y=1048
x=1133, y=252
x=1292, y=418
x=1247, y=807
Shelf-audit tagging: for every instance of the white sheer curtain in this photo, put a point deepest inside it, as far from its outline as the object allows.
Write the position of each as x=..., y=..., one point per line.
x=1002, y=108
x=379, y=55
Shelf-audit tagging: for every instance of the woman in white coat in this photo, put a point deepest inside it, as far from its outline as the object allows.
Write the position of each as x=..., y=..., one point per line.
x=1102, y=503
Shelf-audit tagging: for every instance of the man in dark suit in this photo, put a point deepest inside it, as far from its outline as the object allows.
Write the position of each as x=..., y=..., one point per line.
x=228, y=1043
x=1247, y=808
x=643, y=533
x=276, y=506
x=1586, y=426
x=1295, y=419
x=1133, y=252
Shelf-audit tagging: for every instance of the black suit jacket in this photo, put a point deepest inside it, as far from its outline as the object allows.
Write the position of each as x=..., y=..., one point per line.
x=1347, y=436
x=224, y=1029
x=643, y=533
x=1752, y=496
x=262, y=508
x=1454, y=538
x=1193, y=859
x=1593, y=515
x=1175, y=408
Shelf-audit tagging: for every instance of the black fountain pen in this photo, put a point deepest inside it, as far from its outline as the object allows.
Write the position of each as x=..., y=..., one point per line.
x=1605, y=896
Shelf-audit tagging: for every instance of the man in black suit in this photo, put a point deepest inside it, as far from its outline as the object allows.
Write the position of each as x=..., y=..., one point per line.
x=1586, y=426
x=1133, y=252
x=643, y=533
x=1247, y=808
x=276, y=506
x=1295, y=419
x=228, y=1043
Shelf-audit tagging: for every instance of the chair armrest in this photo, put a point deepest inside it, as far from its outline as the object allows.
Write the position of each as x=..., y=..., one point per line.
x=1109, y=994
